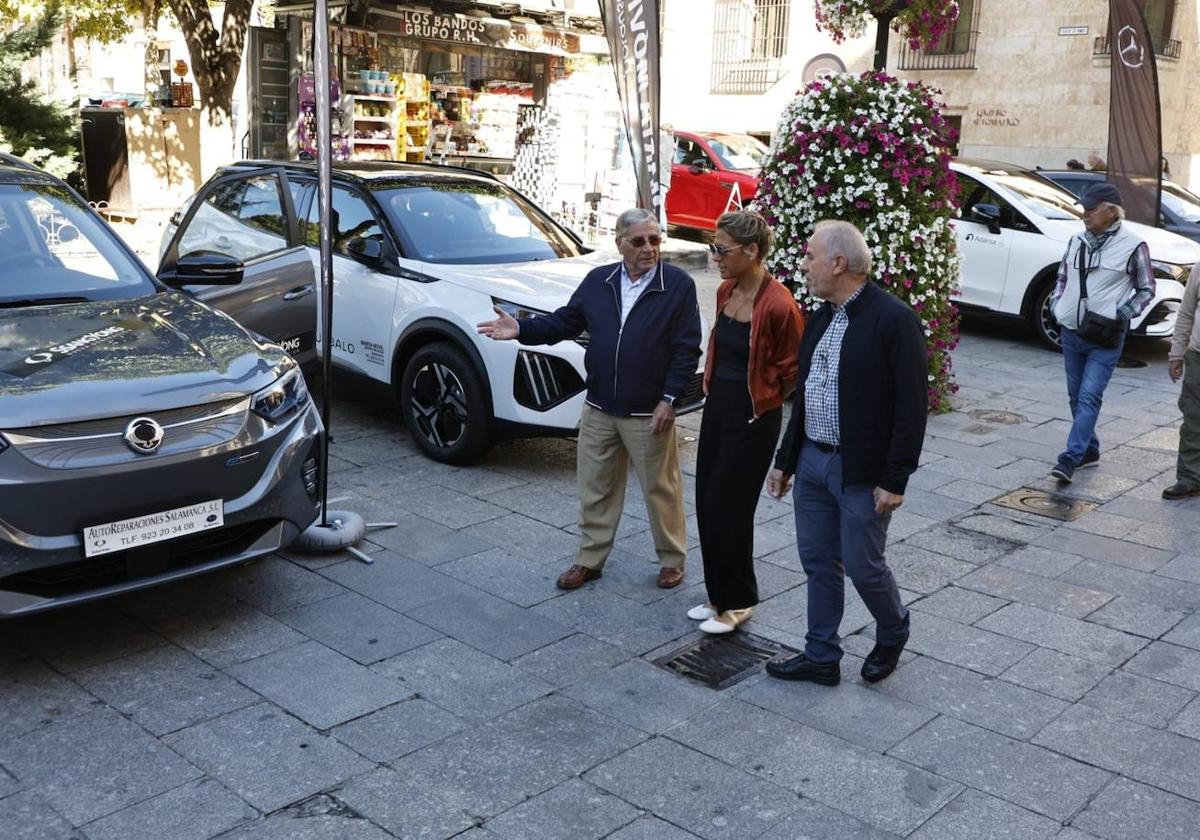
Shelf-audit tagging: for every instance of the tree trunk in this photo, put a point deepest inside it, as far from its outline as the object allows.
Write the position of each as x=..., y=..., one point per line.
x=72, y=64
x=151, y=12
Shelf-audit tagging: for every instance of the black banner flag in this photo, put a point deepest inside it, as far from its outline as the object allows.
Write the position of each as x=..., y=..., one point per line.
x=633, y=41
x=1134, y=114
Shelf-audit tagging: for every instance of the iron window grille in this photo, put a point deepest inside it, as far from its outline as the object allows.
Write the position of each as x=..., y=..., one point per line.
x=750, y=41
x=1160, y=20
x=954, y=51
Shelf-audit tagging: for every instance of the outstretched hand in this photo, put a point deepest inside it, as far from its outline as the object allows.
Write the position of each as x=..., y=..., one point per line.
x=504, y=328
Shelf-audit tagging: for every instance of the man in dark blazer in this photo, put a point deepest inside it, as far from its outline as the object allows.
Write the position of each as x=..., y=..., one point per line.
x=855, y=436
x=643, y=324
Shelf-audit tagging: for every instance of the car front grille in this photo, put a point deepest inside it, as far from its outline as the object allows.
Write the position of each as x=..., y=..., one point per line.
x=542, y=382
x=148, y=561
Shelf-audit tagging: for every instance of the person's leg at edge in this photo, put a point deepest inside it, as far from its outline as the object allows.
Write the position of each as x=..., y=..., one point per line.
x=708, y=512
x=818, y=540
x=655, y=460
x=1074, y=359
x=1097, y=371
x=1187, y=470
x=602, y=468
x=864, y=539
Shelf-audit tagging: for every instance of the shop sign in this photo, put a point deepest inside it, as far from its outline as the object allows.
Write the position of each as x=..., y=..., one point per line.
x=995, y=117
x=1072, y=30
x=485, y=32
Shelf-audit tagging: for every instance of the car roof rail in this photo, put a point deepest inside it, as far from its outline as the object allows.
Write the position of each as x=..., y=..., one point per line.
x=346, y=168
x=19, y=162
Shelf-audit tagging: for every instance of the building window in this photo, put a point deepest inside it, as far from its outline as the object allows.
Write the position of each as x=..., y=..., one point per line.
x=750, y=41
x=957, y=40
x=1160, y=21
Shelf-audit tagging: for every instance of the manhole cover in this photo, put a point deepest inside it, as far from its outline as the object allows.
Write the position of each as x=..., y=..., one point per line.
x=721, y=661
x=993, y=415
x=1041, y=503
x=1126, y=362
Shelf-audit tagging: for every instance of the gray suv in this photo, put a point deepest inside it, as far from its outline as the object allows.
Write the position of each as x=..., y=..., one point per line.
x=144, y=437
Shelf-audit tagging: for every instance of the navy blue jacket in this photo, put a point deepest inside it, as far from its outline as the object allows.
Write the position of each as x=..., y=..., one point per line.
x=883, y=391
x=630, y=368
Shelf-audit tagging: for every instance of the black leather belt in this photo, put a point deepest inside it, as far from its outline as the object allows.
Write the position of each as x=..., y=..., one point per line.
x=827, y=448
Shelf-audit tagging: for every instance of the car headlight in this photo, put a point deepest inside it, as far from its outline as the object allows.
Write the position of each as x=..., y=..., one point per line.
x=1170, y=271
x=516, y=310
x=282, y=397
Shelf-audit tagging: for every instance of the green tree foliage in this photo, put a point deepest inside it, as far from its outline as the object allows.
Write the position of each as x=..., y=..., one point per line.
x=33, y=126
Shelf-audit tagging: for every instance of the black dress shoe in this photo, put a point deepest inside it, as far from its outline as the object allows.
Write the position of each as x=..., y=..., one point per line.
x=881, y=661
x=1179, y=490
x=802, y=668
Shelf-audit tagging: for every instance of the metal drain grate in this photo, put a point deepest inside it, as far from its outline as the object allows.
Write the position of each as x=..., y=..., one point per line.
x=993, y=415
x=1041, y=503
x=721, y=661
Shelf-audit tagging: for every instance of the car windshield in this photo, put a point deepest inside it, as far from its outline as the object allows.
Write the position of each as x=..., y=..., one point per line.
x=1182, y=203
x=53, y=251
x=1039, y=195
x=738, y=151
x=464, y=221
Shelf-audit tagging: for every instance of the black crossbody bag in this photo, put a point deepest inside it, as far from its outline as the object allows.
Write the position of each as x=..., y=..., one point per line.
x=1107, y=332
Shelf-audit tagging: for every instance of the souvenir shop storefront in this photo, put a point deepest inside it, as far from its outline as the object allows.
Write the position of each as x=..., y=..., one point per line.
x=529, y=99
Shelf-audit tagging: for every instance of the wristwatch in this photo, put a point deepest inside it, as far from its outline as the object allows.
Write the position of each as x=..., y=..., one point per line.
x=671, y=401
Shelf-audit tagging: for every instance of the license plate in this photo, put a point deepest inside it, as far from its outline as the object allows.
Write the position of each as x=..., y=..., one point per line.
x=152, y=528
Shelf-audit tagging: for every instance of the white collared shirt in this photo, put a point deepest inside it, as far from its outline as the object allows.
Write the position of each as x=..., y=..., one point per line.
x=632, y=288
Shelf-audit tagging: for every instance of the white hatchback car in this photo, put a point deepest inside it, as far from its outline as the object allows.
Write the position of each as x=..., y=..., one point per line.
x=421, y=255
x=1013, y=228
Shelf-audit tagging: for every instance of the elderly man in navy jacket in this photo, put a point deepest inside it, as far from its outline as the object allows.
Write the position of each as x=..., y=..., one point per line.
x=644, y=344
x=854, y=438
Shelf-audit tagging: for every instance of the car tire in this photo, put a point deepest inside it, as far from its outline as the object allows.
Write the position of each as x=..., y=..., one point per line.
x=445, y=404
x=1041, y=319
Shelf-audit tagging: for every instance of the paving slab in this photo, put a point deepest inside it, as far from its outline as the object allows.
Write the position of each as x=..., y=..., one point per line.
x=1153, y=756
x=1019, y=772
x=643, y=696
x=407, y=806
x=491, y=624
x=1187, y=722
x=267, y=757
x=1184, y=567
x=1005, y=523
x=651, y=828
x=961, y=605
x=922, y=570
x=1040, y=561
x=636, y=628
x=224, y=634
x=28, y=816
x=660, y=776
x=963, y=544
x=1057, y=674
x=430, y=543
x=1168, y=663
x=319, y=685
x=1186, y=633
x=1095, y=547
x=570, y=660
x=520, y=580
x=33, y=695
x=813, y=821
x=1140, y=699
x=1064, y=634
x=92, y=765
x=1142, y=586
x=539, y=501
x=464, y=681
x=397, y=582
x=574, y=809
x=992, y=704
x=165, y=689
x=960, y=644
x=194, y=811
x=274, y=585
x=977, y=816
x=70, y=640
x=880, y=790
x=1127, y=810
x=397, y=730
x=1137, y=617
x=1053, y=595
x=358, y=627
x=318, y=818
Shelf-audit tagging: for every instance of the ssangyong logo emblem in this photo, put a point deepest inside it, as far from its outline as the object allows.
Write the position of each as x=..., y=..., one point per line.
x=143, y=435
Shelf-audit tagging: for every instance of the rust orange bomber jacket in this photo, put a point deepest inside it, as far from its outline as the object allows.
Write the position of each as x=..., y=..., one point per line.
x=776, y=326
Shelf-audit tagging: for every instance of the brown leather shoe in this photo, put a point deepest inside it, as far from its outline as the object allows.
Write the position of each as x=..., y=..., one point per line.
x=577, y=576
x=669, y=578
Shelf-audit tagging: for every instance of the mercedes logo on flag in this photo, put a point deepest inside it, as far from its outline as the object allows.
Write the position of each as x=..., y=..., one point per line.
x=1129, y=48
x=143, y=435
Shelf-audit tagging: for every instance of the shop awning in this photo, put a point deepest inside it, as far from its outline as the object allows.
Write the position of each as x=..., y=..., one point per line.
x=474, y=27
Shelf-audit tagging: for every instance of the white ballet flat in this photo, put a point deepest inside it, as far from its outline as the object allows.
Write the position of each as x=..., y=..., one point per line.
x=734, y=619
x=701, y=612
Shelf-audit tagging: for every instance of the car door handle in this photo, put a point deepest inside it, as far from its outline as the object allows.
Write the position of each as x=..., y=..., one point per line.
x=297, y=293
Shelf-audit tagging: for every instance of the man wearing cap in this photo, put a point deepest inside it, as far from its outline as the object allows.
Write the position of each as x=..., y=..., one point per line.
x=1120, y=284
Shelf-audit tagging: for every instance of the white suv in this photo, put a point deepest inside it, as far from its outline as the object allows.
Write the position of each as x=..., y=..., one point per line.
x=421, y=255
x=1012, y=231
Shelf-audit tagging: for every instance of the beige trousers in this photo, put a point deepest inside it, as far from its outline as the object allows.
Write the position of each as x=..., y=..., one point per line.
x=607, y=446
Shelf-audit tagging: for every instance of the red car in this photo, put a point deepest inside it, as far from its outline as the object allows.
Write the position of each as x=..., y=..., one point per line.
x=711, y=173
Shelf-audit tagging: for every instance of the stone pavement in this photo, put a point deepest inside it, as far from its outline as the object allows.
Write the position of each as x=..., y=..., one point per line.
x=1049, y=690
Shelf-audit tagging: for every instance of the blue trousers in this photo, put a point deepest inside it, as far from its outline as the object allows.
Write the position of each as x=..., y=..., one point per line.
x=838, y=533
x=1089, y=367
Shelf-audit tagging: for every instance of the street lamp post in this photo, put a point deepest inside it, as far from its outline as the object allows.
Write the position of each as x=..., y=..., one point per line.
x=883, y=26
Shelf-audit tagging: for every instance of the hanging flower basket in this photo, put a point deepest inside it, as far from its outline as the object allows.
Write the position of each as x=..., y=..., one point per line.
x=922, y=22
x=874, y=151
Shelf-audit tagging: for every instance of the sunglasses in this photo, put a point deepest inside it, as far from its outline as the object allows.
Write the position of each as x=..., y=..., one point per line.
x=640, y=241
x=722, y=250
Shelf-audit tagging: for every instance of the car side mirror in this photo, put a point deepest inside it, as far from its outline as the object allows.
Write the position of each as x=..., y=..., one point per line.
x=701, y=166
x=366, y=251
x=204, y=269
x=988, y=214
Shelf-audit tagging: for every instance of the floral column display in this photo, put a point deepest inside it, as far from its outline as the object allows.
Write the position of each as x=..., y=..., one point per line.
x=921, y=22
x=874, y=151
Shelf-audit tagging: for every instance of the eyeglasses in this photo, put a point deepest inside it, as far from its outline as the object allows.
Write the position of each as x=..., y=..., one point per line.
x=640, y=241
x=722, y=250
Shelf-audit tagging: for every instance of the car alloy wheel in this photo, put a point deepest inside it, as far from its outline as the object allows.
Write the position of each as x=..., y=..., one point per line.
x=444, y=404
x=1045, y=327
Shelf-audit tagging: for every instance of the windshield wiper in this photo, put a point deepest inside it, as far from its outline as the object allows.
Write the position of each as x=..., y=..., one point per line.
x=12, y=304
